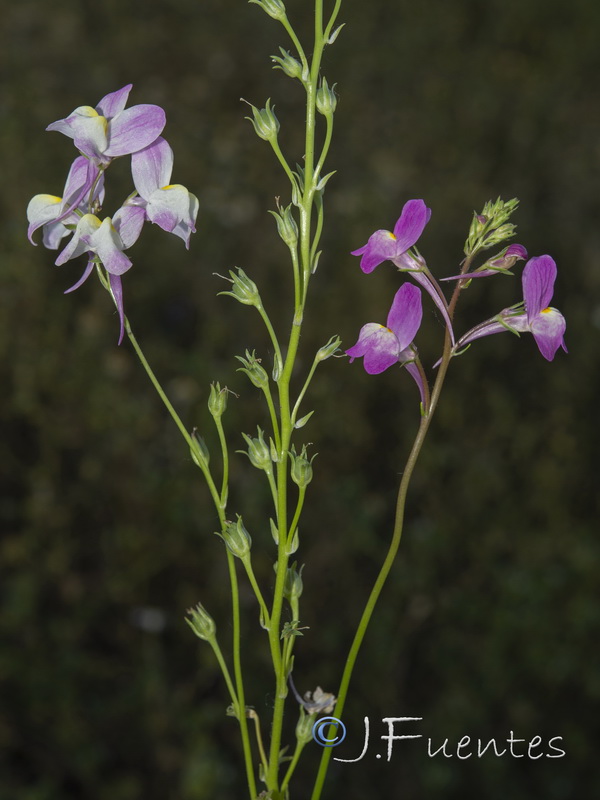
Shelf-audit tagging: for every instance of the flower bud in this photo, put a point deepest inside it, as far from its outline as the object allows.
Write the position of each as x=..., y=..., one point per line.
x=277, y=368
x=490, y=227
x=258, y=451
x=286, y=226
x=304, y=727
x=293, y=586
x=201, y=622
x=326, y=100
x=253, y=369
x=243, y=289
x=288, y=64
x=328, y=349
x=199, y=451
x=507, y=258
x=217, y=402
x=274, y=8
x=301, y=468
x=500, y=234
x=264, y=121
x=236, y=538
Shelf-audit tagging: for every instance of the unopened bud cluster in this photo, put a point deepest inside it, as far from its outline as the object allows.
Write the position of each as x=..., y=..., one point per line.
x=491, y=226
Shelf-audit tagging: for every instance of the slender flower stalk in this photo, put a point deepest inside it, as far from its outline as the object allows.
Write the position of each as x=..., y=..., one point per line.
x=395, y=540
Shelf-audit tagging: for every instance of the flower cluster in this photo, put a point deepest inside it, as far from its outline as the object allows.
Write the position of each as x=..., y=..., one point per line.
x=101, y=134
x=382, y=346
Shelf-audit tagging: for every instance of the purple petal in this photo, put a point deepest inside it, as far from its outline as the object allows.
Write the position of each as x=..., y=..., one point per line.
x=539, y=275
x=116, y=287
x=152, y=167
x=54, y=233
x=487, y=328
x=412, y=368
x=415, y=215
x=438, y=299
x=548, y=331
x=133, y=129
x=128, y=222
x=380, y=247
x=82, y=175
x=86, y=274
x=379, y=347
x=483, y=273
x=112, y=103
x=405, y=314
x=516, y=251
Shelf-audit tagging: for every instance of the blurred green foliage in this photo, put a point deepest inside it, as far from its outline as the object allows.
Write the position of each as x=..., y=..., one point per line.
x=490, y=622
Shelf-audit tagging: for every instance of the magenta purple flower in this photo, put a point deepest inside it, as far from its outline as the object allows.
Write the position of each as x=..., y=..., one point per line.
x=101, y=134
x=395, y=247
x=538, y=318
x=382, y=346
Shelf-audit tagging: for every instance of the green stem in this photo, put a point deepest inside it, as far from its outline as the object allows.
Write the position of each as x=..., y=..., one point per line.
x=299, y=505
x=237, y=667
x=273, y=415
x=315, y=364
x=292, y=766
x=272, y=335
x=221, y=661
x=237, y=671
x=156, y=384
x=284, y=398
x=254, y=583
x=225, y=457
x=396, y=537
x=261, y=748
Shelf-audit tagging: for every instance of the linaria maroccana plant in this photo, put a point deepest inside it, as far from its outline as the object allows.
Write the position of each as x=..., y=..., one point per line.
x=111, y=131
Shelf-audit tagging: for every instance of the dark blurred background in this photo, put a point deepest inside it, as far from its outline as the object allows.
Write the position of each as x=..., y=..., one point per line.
x=490, y=622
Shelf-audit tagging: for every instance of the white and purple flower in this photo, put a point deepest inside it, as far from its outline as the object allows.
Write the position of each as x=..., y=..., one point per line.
x=105, y=241
x=382, y=346
x=52, y=213
x=171, y=206
x=545, y=323
x=111, y=130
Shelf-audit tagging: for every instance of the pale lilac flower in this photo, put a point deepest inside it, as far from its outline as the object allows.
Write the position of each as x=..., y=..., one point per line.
x=171, y=206
x=545, y=323
x=110, y=130
x=394, y=246
x=381, y=346
x=104, y=241
x=52, y=213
